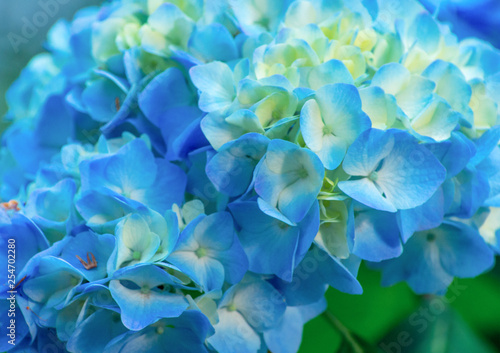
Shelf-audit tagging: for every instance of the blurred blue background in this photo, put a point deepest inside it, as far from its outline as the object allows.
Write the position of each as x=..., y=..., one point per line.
x=14, y=14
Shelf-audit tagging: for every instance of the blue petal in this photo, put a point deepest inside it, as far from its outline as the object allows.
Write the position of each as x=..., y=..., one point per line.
x=167, y=189
x=24, y=232
x=332, y=121
x=416, y=266
x=243, y=297
x=213, y=43
x=186, y=333
x=86, y=243
x=471, y=191
x=365, y=191
x=485, y=144
x=231, y=169
x=120, y=172
x=99, y=99
x=234, y=334
x=289, y=178
x=452, y=86
x=453, y=154
x=215, y=81
x=54, y=123
x=407, y=177
x=427, y=216
x=270, y=244
x=412, y=93
x=286, y=337
x=376, y=236
x=171, y=89
x=102, y=326
x=54, y=284
x=462, y=251
x=145, y=305
x=491, y=167
x=330, y=72
x=334, y=272
x=424, y=31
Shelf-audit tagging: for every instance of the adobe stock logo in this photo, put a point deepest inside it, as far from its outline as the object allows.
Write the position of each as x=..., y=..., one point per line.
x=421, y=320
x=31, y=26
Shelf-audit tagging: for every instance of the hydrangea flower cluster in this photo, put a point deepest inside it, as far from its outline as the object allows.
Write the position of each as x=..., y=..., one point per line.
x=191, y=176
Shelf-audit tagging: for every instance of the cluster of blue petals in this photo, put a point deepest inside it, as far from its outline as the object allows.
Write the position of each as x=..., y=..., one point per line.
x=191, y=176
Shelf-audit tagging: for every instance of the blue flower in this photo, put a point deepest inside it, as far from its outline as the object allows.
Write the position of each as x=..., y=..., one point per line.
x=286, y=336
x=488, y=226
x=412, y=92
x=213, y=42
x=103, y=210
x=209, y=252
x=331, y=122
x=134, y=173
x=102, y=325
x=231, y=169
x=51, y=208
x=432, y=258
x=143, y=238
x=176, y=112
x=216, y=84
x=89, y=252
x=146, y=294
x=99, y=97
x=52, y=283
x=288, y=180
x=186, y=333
x=23, y=231
x=272, y=246
x=392, y=171
x=247, y=309
x=376, y=235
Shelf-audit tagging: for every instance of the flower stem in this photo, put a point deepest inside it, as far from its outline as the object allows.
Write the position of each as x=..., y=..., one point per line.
x=344, y=331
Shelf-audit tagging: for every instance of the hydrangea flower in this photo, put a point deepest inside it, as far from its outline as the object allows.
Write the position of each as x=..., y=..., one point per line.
x=332, y=121
x=393, y=171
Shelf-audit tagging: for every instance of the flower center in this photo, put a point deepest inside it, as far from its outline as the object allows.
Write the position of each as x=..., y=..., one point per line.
x=302, y=173
x=373, y=176
x=136, y=255
x=282, y=225
x=200, y=252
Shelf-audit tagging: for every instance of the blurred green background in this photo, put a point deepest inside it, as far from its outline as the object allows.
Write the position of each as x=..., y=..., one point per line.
x=390, y=320
x=395, y=320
